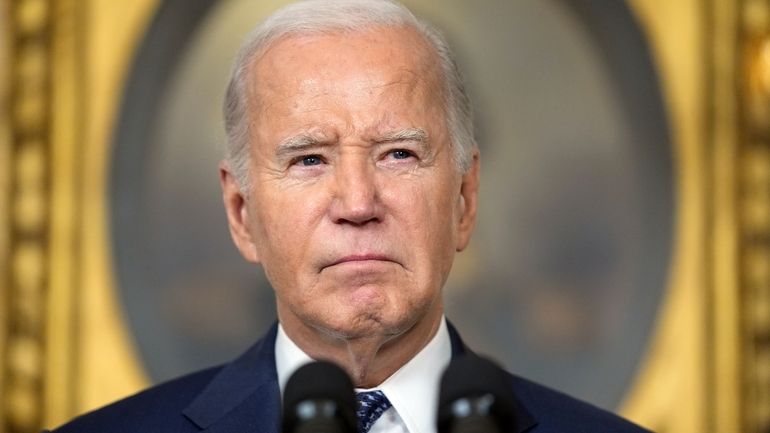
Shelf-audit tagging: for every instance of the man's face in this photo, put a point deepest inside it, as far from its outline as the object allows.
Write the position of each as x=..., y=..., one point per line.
x=356, y=206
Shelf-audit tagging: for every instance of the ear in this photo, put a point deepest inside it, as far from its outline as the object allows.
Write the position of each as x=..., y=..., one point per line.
x=469, y=196
x=238, y=217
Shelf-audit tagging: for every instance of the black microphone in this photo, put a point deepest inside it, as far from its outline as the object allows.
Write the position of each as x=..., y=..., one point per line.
x=475, y=397
x=319, y=398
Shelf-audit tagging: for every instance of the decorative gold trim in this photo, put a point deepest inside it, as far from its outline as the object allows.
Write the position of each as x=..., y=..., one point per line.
x=24, y=350
x=724, y=396
x=708, y=369
x=64, y=269
x=60, y=312
x=754, y=215
x=5, y=188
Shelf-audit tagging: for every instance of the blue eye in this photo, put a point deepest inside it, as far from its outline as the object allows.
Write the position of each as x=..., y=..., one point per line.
x=401, y=154
x=311, y=160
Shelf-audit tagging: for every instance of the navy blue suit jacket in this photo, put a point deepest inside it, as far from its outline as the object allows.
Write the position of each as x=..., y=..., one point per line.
x=243, y=396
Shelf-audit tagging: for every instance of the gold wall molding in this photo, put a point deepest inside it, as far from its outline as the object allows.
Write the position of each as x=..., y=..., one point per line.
x=28, y=147
x=5, y=188
x=64, y=346
x=708, y=369
x=754, y=214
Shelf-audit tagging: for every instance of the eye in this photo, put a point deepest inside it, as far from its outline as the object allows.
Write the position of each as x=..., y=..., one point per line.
x=401, y=154
x=309, y=160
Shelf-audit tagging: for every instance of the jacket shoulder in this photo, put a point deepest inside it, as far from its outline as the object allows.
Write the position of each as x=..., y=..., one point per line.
x=156, y=409
x=556, y=412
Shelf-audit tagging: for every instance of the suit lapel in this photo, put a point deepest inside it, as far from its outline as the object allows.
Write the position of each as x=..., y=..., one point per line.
x=524, y=421
x=244, y=395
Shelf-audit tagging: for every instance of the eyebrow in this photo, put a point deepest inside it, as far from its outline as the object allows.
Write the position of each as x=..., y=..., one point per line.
x=304, y=141
x=299, y=143
x=407, y=134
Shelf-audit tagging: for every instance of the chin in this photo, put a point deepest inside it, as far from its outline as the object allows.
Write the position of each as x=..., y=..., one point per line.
x=356, y=324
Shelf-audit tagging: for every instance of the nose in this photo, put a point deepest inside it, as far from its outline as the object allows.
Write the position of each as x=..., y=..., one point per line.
x=356, y=197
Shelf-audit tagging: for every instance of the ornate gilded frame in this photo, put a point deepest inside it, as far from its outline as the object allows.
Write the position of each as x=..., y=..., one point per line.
x=63, y=343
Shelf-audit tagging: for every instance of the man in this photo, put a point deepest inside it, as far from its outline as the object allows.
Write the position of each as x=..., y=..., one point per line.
x=352, y=178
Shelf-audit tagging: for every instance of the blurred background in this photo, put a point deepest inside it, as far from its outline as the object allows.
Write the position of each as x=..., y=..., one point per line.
x=622, y=252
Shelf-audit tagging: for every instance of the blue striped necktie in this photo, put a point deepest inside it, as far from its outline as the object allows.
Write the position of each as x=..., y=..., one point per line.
x=371, y=404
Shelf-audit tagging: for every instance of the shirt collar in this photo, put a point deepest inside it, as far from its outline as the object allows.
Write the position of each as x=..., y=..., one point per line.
x=288, y=357
x=412, y=389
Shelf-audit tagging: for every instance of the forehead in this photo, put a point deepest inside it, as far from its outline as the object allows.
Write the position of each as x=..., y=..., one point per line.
x=376, y=56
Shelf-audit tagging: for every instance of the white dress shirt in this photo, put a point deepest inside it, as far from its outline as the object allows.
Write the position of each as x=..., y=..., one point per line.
x=412, y=389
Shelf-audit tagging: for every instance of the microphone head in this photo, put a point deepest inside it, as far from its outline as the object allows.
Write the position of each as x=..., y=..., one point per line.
x=320, y=393
x=475, y=387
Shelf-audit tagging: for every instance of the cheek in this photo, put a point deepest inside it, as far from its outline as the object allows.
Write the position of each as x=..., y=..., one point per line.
x=283, y=227
x=428, y=214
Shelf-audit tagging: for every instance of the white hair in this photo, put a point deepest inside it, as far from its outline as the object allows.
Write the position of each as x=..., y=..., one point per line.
x=325, y=16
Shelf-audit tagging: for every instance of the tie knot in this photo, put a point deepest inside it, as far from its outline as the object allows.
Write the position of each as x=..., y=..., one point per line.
x=371, y=404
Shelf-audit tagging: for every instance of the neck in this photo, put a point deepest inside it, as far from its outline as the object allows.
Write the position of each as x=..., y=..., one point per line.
x=370, y=359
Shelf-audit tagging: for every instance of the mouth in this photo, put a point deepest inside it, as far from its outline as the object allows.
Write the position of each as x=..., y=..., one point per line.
x=360, y=258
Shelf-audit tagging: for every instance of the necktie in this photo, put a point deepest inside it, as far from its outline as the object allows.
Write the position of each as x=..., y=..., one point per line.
x=371, y=404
